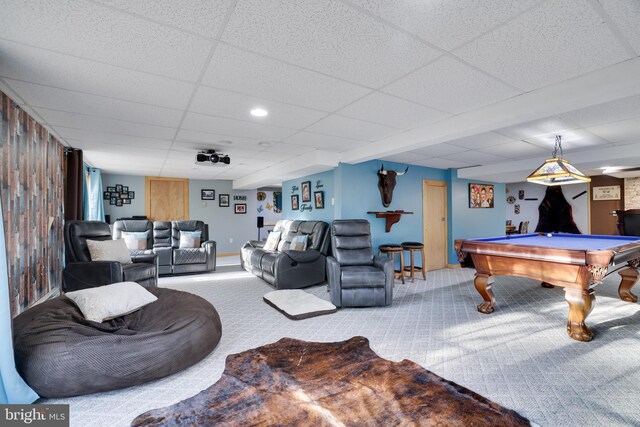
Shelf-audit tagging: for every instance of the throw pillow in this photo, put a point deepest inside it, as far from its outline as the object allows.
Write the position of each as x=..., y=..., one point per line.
x=272, y=241
x=190, y=239
x=111, y=301
x=298, y=243
x=109, y=250
x=135, y=241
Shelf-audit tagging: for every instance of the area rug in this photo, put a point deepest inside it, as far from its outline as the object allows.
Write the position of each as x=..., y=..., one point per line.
x=297, y=304
x=300, y=383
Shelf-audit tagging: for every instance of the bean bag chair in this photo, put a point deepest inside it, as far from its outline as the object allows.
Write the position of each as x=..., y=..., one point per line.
x=59, y=353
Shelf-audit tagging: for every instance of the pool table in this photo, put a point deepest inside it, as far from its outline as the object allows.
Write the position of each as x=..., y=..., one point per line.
x=577, y=262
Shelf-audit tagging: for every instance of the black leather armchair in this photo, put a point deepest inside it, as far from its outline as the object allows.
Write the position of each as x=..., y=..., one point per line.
x=191, y=260
x=629, y=222
x=356, y=277
x=81, y=273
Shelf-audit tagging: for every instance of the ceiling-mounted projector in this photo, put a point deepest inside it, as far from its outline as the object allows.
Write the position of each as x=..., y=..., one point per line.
x=212, y=158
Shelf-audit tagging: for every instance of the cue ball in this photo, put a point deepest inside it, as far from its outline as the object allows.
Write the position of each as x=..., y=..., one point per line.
x=548, y=234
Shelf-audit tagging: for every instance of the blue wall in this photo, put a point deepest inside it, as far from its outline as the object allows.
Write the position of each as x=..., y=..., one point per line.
x=466, y=223
x=328, y=186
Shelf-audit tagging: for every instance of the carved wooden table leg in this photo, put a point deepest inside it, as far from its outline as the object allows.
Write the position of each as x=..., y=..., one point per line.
x=483, y=283
x=629, y=278
x=581, y=303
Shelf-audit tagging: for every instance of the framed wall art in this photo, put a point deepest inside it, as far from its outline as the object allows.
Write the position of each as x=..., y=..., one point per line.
x=306, y=191
x=223, y=200
x=318, y=197
x=481, y=195
x=207, y=194
x=240, y=208
x=295, y=202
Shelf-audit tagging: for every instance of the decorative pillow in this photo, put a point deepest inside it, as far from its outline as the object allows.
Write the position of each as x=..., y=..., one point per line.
x=135, y=241
x=111, y=301
x=298, y=243
x=272, y=241
x=109, y=250
x=190, y=239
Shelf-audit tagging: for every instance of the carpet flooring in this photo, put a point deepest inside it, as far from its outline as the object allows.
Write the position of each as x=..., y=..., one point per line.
x=520, y=356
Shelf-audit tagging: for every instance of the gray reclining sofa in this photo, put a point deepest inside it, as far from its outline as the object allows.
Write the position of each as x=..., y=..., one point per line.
x=288, y=269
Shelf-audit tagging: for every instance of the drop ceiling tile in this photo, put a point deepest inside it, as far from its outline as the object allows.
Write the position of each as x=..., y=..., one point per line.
x=248, y=73
x=450, y=85
x=515, y=150
x=188, y=137
x=546, y=126
x=204, y=17
x=391, y=111
x=481, y=140
x=575, y=139
x=474, y=157
x=447, y=24
x=107, y=138
x=411, y=158
x=93, y=105
x=440, y=163
x=622, y=131
x=79, y=121
x=123, y=150
x=553, y=42
x=438, y=150
x=351, y=128
x=40, y=66
x=231, y=127
x=326, y=36
x=232, y=105
x=285, y=148
x=621, y=109
x=85, y=29
x=625, y=15
x=324, y=142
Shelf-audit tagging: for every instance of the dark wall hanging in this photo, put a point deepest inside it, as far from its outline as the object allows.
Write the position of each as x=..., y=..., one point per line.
x=119, y=195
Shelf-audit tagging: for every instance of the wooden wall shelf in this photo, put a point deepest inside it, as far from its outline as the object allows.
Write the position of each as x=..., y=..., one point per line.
x=391, y=217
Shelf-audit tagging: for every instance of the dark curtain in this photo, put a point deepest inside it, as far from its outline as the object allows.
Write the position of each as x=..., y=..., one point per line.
x=555, y=213
x=73, y=179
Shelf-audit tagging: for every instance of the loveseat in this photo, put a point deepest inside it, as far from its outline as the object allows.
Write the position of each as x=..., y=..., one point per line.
x=163, y=238
x=283, y=267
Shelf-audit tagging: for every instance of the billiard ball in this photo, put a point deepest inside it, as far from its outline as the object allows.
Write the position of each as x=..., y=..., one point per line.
x=549, y=234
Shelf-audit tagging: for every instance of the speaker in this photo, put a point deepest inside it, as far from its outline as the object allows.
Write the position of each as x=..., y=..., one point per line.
x=260, y=221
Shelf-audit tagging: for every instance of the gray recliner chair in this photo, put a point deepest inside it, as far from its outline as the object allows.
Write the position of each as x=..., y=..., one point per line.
x=145, y=226
x=81, y=273
x=191, y=260
x=356, y=277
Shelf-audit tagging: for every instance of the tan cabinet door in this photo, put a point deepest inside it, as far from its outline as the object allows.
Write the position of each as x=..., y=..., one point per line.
x=167, y=198
x=434, y=211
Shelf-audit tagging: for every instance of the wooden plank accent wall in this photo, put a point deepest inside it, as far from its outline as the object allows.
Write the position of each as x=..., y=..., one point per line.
x=31, y=186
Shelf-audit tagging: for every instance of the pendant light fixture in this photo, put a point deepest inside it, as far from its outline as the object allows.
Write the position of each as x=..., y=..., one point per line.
x=556, y=170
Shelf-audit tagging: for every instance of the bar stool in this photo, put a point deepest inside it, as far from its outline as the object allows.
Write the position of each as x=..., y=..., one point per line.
x=391, y=250
x=412, y=268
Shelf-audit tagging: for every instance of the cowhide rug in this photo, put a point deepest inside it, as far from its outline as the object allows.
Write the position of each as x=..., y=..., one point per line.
x=298, y=383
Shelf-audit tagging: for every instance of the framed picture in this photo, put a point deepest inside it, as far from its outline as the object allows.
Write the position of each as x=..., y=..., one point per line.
x=119, y=188
x=318, y=197
x=112, y=201
x=111, y=189
x=126, y=201
x=124, y=195
x=240, y=208
x=207, y=194
x=223, y=200
x=125, y=188
x=132, y=194
x=306, y=191
x=106, y=195
x=118, y=202
x=481, y=195
x=295, y=203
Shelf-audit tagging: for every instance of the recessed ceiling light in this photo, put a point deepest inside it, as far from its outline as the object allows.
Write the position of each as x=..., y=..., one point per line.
x=259, y=112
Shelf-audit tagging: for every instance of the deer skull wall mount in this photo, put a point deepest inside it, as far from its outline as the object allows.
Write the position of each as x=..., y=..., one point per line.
x=386, y=183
